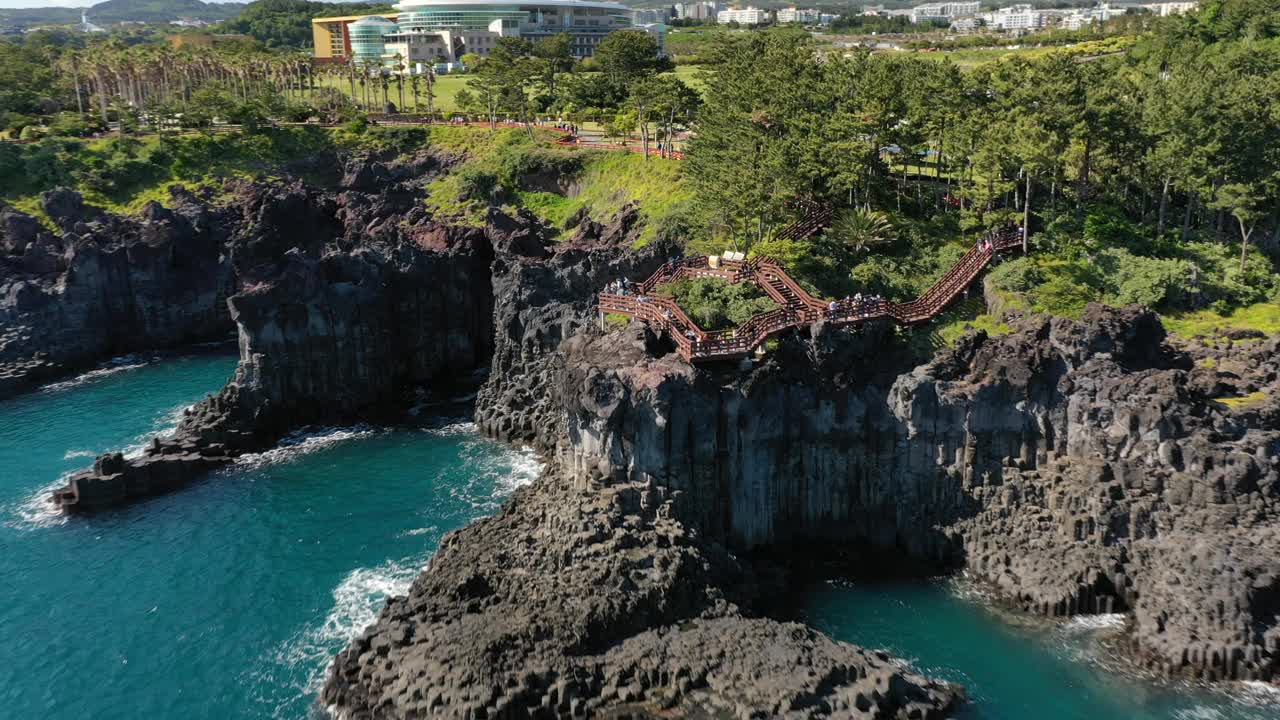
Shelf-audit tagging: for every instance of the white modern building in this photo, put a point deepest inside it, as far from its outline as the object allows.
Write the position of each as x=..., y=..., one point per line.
x=743, y=16
x=1172, y=8
x=943, y=11
x=799, y=15
x=426, y=32
x=698, y=10
x=1017, y=18
x=648, y=17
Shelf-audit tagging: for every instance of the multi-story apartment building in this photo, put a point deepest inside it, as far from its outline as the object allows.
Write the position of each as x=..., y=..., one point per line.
x=698, y=10
x=1017, y=18
x=743, y=16
x=944, y=11
x=1172, y=8
x=798, y=15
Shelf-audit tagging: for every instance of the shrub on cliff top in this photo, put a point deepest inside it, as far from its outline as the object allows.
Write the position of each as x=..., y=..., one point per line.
x=715, y=304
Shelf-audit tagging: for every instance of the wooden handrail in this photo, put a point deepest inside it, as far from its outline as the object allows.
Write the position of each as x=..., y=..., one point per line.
x=800, y=309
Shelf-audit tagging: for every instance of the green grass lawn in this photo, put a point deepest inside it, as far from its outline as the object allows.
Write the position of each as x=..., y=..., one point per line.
x=1263, y=317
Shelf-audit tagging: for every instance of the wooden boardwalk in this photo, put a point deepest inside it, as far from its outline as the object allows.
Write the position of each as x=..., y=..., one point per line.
x=797, y=307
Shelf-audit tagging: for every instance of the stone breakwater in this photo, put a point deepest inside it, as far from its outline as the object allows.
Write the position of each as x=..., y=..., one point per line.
x=1079, y=467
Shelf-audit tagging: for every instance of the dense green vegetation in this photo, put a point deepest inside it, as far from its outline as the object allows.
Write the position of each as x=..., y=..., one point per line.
x=287, y=23
x=1148, y=176
x=122, y=173
x=1143, y=160
x=715, y=304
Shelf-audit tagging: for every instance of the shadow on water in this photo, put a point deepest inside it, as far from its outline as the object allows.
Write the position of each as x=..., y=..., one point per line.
x=1011, y=664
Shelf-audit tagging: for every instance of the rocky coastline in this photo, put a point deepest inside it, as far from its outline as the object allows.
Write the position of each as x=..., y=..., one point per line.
x=1078, y=466
x=102, y=285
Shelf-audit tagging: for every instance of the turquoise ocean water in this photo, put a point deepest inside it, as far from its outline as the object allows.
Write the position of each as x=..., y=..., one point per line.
x=1012, y=666
x=227, y=600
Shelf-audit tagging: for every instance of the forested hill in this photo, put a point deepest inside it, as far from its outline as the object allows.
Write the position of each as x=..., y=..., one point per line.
x=287, y=23
x=114, y=11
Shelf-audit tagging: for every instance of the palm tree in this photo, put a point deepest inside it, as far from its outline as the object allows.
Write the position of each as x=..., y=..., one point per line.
x=351, y=75
x=401, y=67
x=860, y=230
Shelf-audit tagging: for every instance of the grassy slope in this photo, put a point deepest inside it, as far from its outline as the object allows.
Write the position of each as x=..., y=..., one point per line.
x=200, y=161
x=608, y=180
x=1264, y=317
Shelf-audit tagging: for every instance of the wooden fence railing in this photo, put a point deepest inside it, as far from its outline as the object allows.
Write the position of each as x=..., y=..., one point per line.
x=799, y=307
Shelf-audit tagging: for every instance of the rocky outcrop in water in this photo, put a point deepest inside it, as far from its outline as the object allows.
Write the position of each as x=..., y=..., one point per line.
x=603, y=602
x=102, y=285
x=1078, y=466
x=348, y=304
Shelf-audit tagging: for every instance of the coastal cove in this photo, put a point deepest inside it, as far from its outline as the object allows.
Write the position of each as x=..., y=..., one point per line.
x=227, y=600
x=1012, y=665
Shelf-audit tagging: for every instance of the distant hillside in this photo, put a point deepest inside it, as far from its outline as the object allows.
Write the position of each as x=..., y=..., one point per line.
x=39, y=16
x=114, y=11
x=287, y=23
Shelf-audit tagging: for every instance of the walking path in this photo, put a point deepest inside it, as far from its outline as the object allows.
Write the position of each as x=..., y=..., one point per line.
x=797, y=306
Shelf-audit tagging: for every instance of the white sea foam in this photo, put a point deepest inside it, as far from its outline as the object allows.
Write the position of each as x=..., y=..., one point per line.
x=360, y=596
x=1199, y=712
x=1255, y=692
x=37, y=510
x=74, y=454
x=120, y=364
x=356, y=603
x=164, y=426
x=454, y=428
x=415, y=532
x=305, y=441
x=1094, y=623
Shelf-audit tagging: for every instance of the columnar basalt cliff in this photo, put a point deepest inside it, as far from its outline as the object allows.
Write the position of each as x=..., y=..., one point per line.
x=576, y=601
x=348, y=304
x=1079, y=466
x=543, y=295
x=602, y=601
x=103, y=285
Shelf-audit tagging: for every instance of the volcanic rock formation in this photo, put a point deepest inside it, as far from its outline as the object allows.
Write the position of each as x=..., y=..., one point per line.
x=584, y=602
x=104, y=285
x=1078, y=466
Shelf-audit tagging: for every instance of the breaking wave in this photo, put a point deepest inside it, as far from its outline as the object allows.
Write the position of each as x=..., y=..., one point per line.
x=1094, y=623
x=124, y=363
x=302, y=442
x=37, y=510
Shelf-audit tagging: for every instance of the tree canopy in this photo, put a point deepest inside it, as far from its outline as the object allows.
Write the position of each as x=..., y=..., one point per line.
x=287, y=23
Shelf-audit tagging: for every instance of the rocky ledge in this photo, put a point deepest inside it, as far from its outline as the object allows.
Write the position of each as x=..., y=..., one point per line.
x=100, y=284
x=603, y=601
x=1079, y=467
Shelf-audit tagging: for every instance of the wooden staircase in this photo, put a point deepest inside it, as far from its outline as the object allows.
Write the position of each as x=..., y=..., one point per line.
x=797, y=306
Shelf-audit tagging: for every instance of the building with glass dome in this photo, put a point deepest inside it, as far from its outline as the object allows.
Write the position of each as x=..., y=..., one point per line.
x=433, y=31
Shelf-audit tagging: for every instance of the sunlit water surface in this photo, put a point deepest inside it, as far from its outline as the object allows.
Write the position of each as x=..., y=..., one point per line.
x=226, y=599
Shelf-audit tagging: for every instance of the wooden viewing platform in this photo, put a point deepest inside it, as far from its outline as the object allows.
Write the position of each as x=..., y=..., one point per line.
x=797, y=306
